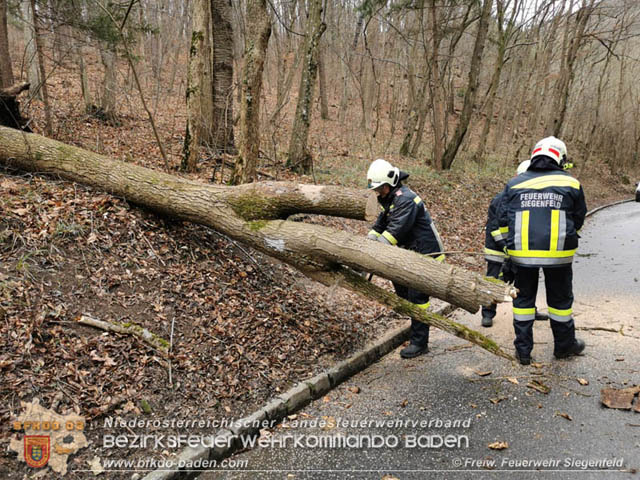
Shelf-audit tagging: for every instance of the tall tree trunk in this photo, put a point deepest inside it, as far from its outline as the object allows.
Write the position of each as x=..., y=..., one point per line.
x=258, y=31
x=6, y=72
x=472, y=87
x=222, y=135
x=322, y=87
x=41, y=69
x=199, y=99
x=299, y=155
x=567, y=70
x=244, y=213
x=31, y=52
x=435, y=87
x=109, y=84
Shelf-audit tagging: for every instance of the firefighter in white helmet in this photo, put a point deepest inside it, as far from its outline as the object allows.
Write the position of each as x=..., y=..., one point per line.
x=404, y=222
x=539, y=217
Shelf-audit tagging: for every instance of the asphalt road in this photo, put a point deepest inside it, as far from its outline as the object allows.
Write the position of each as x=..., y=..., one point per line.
x=547, y=435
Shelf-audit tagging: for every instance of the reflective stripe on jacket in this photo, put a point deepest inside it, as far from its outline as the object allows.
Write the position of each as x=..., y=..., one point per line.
x=492, y=250
x=404, y=221
x=540, y=214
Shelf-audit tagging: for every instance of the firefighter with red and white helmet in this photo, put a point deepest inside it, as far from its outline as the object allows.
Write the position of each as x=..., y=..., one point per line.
x=539, y=217
x=404, y=221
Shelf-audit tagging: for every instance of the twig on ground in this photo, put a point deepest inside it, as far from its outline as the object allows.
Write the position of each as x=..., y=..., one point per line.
x=145, y=335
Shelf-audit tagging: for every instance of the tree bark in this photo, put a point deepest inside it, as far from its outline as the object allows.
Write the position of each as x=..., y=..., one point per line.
x=245, y=213
x=223, y=140
x=299, y=155
x=258, y=31
x=109, y=82
x=31, y=54
x=6, y=72
x=43, y=76
x=199, y=85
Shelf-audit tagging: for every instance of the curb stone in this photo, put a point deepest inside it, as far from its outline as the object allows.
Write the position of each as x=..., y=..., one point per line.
x=293, y=400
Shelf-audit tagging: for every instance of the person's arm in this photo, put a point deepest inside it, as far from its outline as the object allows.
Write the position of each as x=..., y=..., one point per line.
x=401, y=218
x=580, y=210
x=378, y=227
x=501, y=230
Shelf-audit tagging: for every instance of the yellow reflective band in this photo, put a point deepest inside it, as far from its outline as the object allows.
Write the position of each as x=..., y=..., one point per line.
x=499, y=253
x=440, y=258
x=541, y=253
x=555, y=227
x=524, y=232
x=423, y=306
x=392, y=207
x=525, y=311
x=373, y=232
x=417, y=200
x=549, y=181
x=504, y=229
x=563, y=313
x=391, y=238
x=496, y=233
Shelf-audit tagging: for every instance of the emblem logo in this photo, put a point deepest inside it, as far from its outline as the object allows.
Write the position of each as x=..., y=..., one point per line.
x=36, y=450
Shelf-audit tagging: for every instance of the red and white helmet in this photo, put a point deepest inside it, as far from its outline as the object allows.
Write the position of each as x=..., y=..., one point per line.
x=552, y=148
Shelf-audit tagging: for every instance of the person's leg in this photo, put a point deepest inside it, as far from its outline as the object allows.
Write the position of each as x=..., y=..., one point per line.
x=419, y=331
x=488, y=313
x=559, y=284
x=524, y=312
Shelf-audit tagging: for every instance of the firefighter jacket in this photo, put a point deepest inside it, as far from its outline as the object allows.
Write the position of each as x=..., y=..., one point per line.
x=540, y=214
x=492, y=251
x=404, y=221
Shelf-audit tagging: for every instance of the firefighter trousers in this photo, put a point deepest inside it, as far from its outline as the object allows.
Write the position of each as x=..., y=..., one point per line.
x=558, y=284
x=493, y=271
x=419, y=330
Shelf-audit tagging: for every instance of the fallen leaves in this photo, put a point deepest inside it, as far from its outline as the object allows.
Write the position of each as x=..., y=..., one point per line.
x=564, y=415
x=498, y=445
x=539, y=386
x=620, y=398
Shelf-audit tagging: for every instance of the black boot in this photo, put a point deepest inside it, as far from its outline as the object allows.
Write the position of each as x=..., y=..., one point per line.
x=541, y=316
x=524, y=340
x=413, y=350
x=487, y=321
x=564, y=337
x=576, y=349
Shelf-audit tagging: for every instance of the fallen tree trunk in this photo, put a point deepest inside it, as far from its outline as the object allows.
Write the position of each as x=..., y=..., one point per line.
x=248, y=213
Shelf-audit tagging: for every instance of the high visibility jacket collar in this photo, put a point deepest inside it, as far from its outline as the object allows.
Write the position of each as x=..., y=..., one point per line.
x=542, y=162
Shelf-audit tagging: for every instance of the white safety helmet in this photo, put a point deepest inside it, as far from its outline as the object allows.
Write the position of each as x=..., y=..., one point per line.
x=552, y=148
x=381, y=172
x=523, y=167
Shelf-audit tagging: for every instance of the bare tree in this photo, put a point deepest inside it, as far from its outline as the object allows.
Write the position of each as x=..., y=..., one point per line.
x=472, y=87
x=576, y=34
x=6, y=72
x=258, y=31
x=199, y=84
x=31, y=52
x=299, y=155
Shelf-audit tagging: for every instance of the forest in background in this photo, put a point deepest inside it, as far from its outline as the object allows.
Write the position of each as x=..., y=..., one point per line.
x=439, y=81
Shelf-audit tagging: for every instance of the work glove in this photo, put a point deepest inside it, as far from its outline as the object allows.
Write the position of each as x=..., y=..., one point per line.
x=372, y=236
x=508, y=271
